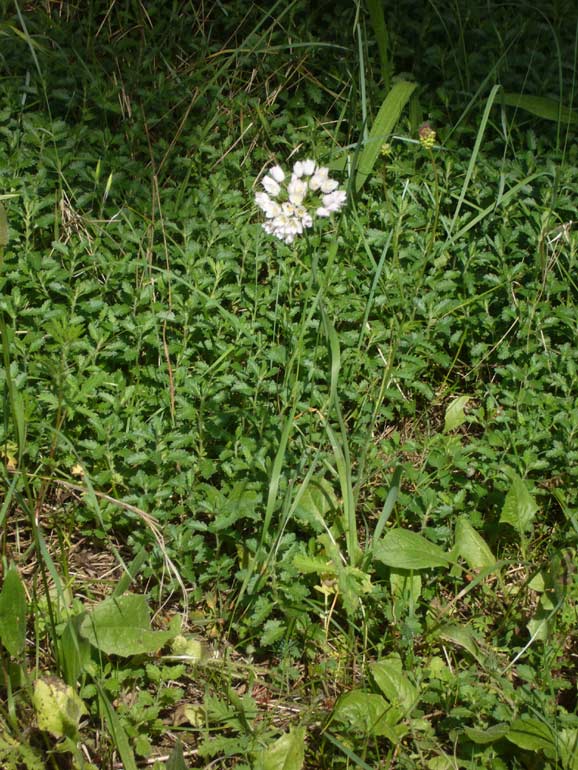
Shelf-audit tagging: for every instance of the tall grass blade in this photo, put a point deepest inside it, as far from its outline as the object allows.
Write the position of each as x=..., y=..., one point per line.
x=341, y=450
x=117, y=731
x=377, y=18
x=474, y=157
x=388, y=506
x=387, y=117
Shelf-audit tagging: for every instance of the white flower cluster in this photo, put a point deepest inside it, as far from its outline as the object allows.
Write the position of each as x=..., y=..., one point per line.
x=286, y=209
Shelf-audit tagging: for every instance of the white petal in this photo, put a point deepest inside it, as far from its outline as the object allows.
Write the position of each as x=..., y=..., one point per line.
x=329, y=185
x=308, y=167
x=323, y=212
x=277, y=173
x=298, y=169
x=297, y=190
x=262, y=200
x=271, y=186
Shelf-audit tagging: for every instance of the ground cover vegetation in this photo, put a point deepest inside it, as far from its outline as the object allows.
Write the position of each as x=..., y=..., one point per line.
x=301, y=495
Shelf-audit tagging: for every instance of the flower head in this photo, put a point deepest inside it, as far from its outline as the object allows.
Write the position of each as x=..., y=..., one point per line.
x=427, y=136
x=290, y=208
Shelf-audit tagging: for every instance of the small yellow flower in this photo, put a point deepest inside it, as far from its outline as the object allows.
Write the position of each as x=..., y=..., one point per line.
x=386, y=149
x=427, y=136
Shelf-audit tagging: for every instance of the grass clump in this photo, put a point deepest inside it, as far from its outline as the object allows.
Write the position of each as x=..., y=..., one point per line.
x=305, y=501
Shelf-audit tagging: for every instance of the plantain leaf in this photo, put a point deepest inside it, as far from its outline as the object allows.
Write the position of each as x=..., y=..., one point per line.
x=455, y=415
x=519, y=506
x=121, y=626
x=541, y=106
x=471, y=546
x=403, y=549
x=287, y=753
x=13, y=613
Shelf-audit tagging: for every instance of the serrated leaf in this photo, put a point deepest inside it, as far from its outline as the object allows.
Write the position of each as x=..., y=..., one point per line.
x=403, y=549
x=471, y=546
x=313, y=564
x=387, y=117
x=541, y=106
x=121, y=626
x=287, y=753
x=455, y=414
x=393, y=683
x=519, y=506
x=13, y=613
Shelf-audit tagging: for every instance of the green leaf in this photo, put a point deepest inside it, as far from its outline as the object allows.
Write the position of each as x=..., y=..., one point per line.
x=471, y=546
x=13, y=613
x=176, y=761
x=393, y=683
x=287, y=753
x=519, y=506
x=3, y=227
x=455, y=415
x=462, y=636
x=541, y=106
x=58, y=708
x=532, y=734
x=491, y=734
x=116, y=730
x=122, y=627
x=369, y=714
x=377, y=17
x=313, y=564
x=388, y=115
x=403, y=549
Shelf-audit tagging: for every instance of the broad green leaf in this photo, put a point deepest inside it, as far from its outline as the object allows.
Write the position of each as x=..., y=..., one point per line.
x=58, y=708
x=541, y=106
x=13, y=613
x=3, y=227
x=471, y=546
x=367, y=713
x=122, y=627
x=568, y=747
x=316, y=501
x=403, y=549
x=532, y=734
x=387, y=117
x=393, y=683
x=287, y=753
x=489, y=735
x=462, y=636
x=455, y=415
x=519, y=506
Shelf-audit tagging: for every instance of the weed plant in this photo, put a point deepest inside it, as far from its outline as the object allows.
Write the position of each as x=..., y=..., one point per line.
x=285, y=505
